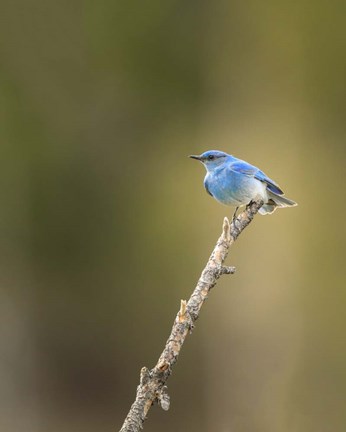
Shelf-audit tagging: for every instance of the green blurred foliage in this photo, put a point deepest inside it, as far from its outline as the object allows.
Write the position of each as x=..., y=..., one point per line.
x=105, y=225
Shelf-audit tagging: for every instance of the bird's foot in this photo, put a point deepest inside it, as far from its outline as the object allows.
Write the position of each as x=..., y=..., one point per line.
x=248, y=206
x=235, y=216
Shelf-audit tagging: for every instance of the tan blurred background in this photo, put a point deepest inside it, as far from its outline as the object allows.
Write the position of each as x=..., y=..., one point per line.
x=105, y=225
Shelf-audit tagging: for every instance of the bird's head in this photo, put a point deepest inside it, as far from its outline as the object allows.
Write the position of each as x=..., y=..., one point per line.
x=211, y=159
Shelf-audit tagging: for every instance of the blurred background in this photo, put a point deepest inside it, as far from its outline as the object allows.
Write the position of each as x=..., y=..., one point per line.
x=105, y=225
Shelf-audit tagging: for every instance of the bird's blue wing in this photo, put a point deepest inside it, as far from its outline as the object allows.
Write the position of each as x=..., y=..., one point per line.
x=252, y=171
x=243, y=167
x=271, y=185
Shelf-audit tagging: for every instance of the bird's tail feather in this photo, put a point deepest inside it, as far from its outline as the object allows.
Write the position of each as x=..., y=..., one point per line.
x=275, y=201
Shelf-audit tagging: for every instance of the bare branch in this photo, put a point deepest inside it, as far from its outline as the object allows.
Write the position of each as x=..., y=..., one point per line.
x=152, y=386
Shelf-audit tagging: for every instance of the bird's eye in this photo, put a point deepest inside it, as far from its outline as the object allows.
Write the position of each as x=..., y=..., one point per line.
x=211, y=157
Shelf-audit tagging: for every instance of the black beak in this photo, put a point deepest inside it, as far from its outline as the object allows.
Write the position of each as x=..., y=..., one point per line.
x=195, y=157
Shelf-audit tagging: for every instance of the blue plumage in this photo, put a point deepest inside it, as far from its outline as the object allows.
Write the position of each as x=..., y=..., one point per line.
x=235, y=182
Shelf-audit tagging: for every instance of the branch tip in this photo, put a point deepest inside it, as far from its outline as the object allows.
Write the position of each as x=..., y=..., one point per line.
x=226, y=229
x=227, y=270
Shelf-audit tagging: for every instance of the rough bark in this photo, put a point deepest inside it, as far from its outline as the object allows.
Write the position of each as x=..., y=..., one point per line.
x=152, y=386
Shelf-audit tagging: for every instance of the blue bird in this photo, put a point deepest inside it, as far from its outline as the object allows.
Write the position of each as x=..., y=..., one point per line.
x=234, y=182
